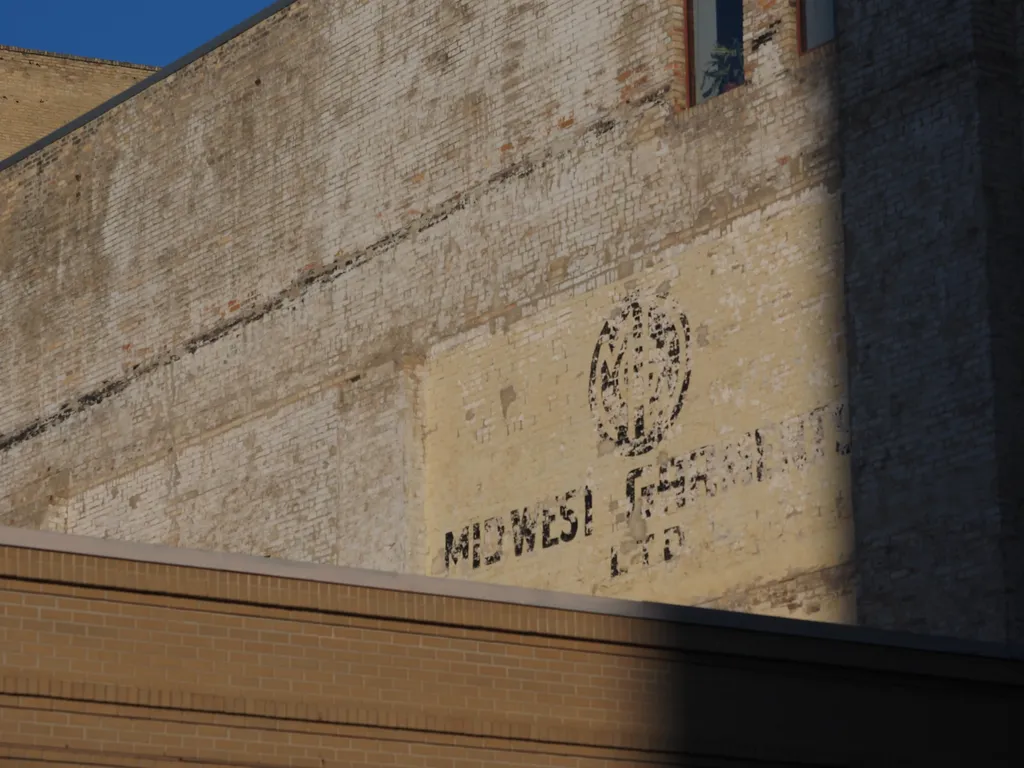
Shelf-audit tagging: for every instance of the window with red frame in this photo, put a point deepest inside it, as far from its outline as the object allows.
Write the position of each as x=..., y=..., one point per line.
x=716, y=47
x=817, y=23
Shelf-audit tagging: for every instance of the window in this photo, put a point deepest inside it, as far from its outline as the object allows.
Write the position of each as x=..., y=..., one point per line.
x=716, y=47
x=817, y=23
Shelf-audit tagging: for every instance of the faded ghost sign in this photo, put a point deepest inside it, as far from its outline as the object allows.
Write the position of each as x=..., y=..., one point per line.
x=664, y=489
x=640, y=373
x=639, y=376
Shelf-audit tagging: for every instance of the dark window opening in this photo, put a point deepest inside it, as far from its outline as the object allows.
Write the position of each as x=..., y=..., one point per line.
x=716, y=47
x=817, y=23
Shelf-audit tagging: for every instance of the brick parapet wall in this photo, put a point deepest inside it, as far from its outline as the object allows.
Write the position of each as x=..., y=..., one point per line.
x=41, y=91
x=110, y=657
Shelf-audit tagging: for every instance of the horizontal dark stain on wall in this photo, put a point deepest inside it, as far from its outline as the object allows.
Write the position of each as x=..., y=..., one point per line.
x=297, y=288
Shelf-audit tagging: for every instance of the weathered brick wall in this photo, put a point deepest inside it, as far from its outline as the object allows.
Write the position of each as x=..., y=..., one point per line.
x=40, y=92
x=138, y=656
x=335, y=292
x=931, y=200
x=1007, y=280
x=1000, y=43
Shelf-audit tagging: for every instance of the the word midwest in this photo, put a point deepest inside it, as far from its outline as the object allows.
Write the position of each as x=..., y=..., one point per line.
x=541, y=527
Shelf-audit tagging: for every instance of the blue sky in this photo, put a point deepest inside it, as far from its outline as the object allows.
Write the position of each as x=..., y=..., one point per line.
x=137, y=31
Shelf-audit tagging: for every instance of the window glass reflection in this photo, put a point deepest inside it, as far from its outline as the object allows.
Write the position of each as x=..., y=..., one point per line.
x=717, y=34
x=819, y=22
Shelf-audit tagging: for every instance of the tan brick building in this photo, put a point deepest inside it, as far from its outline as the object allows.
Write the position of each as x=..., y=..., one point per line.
x=674, y=301
x=132, y=655
x=41, y=92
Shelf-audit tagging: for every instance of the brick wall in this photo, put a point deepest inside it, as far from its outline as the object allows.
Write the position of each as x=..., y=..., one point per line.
x=40, y=92
x=466, y=289
x=143, y=656
x=932, y=168
x=334, y=292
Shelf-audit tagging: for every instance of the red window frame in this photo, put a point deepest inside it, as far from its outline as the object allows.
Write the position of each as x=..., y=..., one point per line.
x=691, y=87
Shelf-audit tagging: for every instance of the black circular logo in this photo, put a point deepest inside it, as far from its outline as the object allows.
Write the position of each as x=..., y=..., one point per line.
x=640, y=373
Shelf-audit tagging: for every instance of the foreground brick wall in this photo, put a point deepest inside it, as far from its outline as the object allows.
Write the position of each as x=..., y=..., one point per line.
x=40, y=92
x=141, y=656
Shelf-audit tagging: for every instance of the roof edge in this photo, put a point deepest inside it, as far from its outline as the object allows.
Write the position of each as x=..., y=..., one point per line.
x=75, y=57
x=142, y=85
x=495, y=593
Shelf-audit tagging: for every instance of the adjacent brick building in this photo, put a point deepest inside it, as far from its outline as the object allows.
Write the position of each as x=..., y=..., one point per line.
x=133, y=655
x=555, y=294
x=41, y=91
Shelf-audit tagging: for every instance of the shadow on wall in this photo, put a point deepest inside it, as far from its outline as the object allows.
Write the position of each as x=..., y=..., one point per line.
x=798, y=701
x=930, y=146
x=932, y=177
